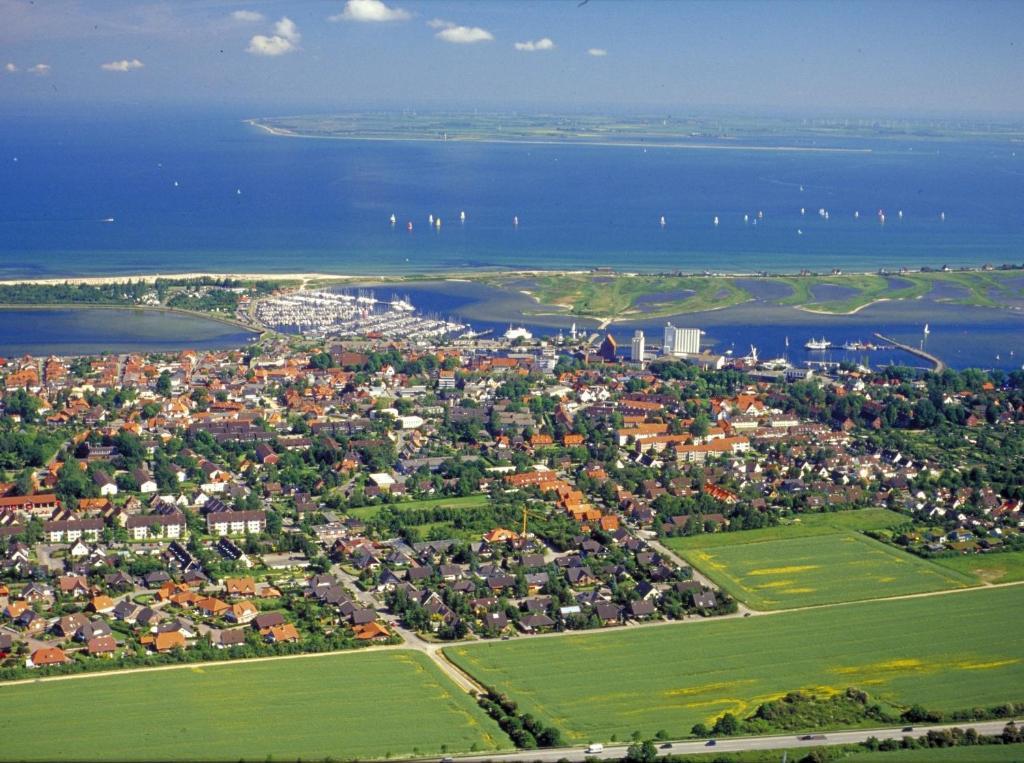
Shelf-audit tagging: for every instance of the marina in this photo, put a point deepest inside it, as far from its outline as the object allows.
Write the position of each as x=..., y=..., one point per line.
x=328, y=313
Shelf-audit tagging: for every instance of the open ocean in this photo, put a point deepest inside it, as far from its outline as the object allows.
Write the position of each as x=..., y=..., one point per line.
x=249, y=201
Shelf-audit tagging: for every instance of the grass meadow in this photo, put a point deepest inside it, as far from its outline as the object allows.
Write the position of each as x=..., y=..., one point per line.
x=351, y=706
x=1004, y=567
x=821, y=560
x=946, y=652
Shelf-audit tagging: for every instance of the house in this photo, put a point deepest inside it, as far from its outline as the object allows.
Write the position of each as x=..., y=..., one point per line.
x=73, y=585
x=126, y=611
x=227, y=638
x=641, y=610
x=103, y=481
x=241, y=612
x=50, y=655
x=535, y=623
x=101, y=646
x=168, y=640
x=279, y=634
x=101, y=604
x=372, y=631
x=267, y=620
x=212, y=607
x=703, y=600
x=145, y=481
x=240, y=586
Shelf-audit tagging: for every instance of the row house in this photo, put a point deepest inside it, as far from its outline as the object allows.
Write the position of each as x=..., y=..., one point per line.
x=145, y=527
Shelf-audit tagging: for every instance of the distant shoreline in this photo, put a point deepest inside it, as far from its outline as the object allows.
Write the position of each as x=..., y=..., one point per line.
x=283, y=132
x=464, y=276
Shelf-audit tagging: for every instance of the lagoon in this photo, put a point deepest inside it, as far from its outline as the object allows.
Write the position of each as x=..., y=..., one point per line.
x=93, y=330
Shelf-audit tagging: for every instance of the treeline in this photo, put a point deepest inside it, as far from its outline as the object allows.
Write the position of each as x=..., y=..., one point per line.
x=525, y=731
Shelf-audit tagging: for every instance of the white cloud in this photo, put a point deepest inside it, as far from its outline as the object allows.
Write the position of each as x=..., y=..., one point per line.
x=285, y=39
x=598, y=52
x=10, y=68
x=122, y=66
x=544, y=43
x=370, y=11
x=247, y=16
x=461, y=35
x=40, y=69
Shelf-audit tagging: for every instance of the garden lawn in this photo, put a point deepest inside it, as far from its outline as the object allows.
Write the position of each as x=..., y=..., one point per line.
x=818, y=561
x=357, y=705
x=1004, y=567
x=455, y=502
x=945, y=652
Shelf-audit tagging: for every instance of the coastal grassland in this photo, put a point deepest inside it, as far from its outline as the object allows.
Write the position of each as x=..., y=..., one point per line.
x=1002, y=567
x=822, y=559
x=355, y=706
x=457, y=502
x=945, y=652
x=616, y=296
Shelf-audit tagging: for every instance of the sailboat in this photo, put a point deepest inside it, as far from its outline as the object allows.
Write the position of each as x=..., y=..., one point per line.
x=662, y=221
x=462, y=216
x=393, y=218
x=927, y=331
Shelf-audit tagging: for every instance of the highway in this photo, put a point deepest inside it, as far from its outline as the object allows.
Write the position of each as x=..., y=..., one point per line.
x=734, y=744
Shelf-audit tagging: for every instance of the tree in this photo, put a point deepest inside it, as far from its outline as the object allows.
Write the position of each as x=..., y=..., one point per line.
x=642, y=752
x=25, y=484
x=163, y=384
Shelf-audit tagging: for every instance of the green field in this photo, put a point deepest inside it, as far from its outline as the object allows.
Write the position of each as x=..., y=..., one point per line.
x=946, y=652
x=456, y=502
x=1005, y=567
x=370, y=705
x=820, y=560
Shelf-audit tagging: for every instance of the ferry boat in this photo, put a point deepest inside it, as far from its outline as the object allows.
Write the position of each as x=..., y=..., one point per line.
x=817, y=344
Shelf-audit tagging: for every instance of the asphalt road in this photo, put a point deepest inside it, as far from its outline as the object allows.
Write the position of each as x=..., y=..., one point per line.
x=735, y=744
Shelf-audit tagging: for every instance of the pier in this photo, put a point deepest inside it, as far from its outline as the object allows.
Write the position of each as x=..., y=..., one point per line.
x=939, y=365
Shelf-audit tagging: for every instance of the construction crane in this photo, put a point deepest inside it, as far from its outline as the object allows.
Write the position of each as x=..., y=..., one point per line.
x=527, y=513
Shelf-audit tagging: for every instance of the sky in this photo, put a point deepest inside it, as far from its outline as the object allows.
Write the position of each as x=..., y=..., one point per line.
x=850, y=58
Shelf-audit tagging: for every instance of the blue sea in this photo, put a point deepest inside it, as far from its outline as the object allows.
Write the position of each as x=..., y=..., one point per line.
x=115, y=193
x=210, y=192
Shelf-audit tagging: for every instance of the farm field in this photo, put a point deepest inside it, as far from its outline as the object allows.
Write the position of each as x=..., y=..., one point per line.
x=822, y=560
x=1005, y=567
x=946, y=652
x=318, y=707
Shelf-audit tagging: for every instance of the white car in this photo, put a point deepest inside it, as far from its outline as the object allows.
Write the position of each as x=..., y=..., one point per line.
x=594, y=748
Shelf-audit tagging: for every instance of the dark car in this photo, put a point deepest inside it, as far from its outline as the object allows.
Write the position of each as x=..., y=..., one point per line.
x=710, y=743
x=908, y=728
x=667, y=746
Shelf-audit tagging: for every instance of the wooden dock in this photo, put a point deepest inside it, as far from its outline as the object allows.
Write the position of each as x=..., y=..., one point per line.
x=939, y=365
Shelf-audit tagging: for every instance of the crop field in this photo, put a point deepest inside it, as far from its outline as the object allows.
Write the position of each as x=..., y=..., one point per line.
x=1005, y=567
x=370, y=705
x=946, y=652
x=822, y=560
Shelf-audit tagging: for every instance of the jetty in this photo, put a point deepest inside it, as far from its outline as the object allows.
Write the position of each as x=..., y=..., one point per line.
x=939, y=365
